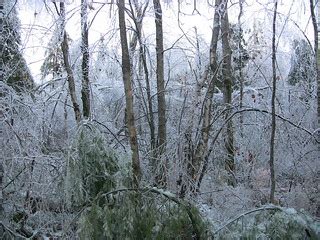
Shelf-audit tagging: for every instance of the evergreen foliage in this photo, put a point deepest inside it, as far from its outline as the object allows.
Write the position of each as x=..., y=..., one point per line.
x=141, y=214
x=17, y=74
x=302, y=64
x=240, y=54
x=91, y=166
x=53, y=63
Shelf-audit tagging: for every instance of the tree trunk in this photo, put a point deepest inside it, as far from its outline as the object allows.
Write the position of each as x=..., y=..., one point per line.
x=227, y=80
x=85, y=91
x=200, y=155
x=162, y=132
x=1, y=42
x=138, y=23
x=1, y=130
x=316, y=54
x=273, y=106
x=67, y=65
x=127, y=79
x=241, y=78
x=137, y=37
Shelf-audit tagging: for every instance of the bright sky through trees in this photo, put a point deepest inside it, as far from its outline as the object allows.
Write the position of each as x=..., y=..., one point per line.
x=38, y=22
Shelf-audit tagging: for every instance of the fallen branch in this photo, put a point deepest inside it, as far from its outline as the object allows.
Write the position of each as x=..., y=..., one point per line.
x=11, y=232
x=268, y=207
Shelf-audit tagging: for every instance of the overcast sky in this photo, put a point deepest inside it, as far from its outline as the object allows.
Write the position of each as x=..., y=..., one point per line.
x=38, y=22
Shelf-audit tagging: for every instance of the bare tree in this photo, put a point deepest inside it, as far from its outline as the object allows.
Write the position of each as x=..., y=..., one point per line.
x=162, y=132
x=273, y=104
x=137, y=15
x=85, y=91
x=137, y=37
x=227, y=79
x=127, y=81
x=199, y=155
x=68, y=67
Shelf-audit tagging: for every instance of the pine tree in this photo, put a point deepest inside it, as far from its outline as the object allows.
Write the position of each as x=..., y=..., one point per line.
x=53, y=63
x=302, y=64
x=16, y=71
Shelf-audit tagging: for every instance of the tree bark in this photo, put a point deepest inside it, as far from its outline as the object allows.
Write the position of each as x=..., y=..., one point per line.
x=273, y=107
x=70, y=77
x=162, y=132
x=85, y=91
x=227, y=80
x=127, y=80
x=241, y=79
x=316, y=54
x=1, y=94
x=1, y=42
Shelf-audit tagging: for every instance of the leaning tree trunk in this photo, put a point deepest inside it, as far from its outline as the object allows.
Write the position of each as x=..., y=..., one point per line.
x=127, y=80
x=199, y=156
x=227, y=80
x=273, y=106
x=85, y=91
x=161, y=178
x=67, y=65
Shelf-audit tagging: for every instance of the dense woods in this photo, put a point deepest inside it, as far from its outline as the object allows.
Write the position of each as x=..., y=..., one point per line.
x=140, y=119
